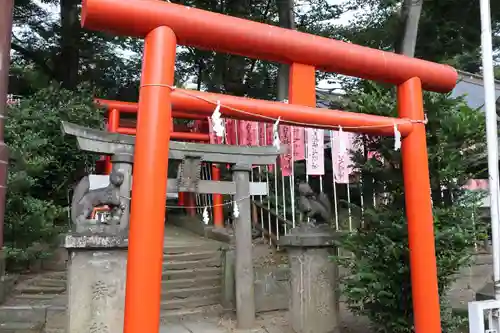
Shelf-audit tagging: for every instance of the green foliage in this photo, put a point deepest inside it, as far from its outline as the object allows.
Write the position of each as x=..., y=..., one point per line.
x=43, y=165
x=379, y=284
x=49, y=45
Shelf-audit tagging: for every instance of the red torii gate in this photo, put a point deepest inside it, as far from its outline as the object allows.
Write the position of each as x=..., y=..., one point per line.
x=165, y=25
x=115, y=108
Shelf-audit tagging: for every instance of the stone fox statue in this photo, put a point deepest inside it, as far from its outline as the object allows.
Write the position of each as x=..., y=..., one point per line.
x=315, y=207
x=85, y=200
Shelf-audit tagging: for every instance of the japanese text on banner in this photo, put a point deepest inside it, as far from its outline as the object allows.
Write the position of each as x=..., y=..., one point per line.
x=286, y=160
x=247, y=133
x=298, y=143
x=315, y=161
x=342, y=144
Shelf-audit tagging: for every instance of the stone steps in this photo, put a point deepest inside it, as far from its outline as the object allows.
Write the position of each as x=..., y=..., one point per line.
x=191, y=287
x=185, y=293
x=42, y=289
x=186, y=249
x=34, y=320
x=201, y=281
x=15, y=327
x=191, y=256
x=192, y=277
x=191, y=273
x=169, y=316
x=21, y=314
x=191, y=265
x=190, y=302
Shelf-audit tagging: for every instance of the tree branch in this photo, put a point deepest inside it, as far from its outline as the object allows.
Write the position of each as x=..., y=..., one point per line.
x=34, y=57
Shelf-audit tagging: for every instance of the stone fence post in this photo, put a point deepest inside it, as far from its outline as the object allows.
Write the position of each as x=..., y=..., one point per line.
x=244, y=276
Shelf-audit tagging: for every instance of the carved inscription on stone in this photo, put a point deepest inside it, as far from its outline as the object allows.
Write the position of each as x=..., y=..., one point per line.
x=98, y=327
x=102, y=290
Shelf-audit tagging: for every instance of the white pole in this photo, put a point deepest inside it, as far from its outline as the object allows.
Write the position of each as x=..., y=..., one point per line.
x=491, y=136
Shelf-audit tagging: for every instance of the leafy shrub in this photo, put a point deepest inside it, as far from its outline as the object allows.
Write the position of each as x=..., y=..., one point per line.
x=43, y=166
x=378, y=284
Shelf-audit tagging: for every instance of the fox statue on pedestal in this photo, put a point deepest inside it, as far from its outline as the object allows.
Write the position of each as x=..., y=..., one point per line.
x=314, y=206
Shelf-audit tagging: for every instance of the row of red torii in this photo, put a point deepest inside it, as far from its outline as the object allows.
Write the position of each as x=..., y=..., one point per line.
x=306, y=144
x=165, y=25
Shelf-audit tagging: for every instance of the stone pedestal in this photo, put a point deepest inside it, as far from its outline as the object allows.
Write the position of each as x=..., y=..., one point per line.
x=96, y=282
x=314, y=279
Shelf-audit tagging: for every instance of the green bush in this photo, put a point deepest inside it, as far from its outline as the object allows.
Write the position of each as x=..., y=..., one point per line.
x=43, y=166
x=378, y=284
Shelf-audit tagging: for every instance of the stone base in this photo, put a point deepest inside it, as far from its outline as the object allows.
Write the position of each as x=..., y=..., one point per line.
x=314, y=301
x=96, y=282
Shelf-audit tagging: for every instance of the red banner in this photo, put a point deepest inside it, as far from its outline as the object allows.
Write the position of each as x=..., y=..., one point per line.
x=286, y=160
x=230, y=132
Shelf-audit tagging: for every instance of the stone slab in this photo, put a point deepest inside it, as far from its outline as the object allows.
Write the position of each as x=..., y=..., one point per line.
x=485, y=293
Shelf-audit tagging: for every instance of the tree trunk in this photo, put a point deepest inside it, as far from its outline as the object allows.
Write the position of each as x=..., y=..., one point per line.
x=69, y=58
x=407, y=39
x=286, y=20
x=5, y=38
x=410, y=17
x=230, y=70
